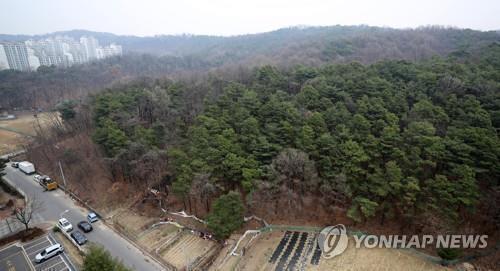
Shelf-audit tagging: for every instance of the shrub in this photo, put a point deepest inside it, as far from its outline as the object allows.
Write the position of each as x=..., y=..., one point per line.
x=449, y=253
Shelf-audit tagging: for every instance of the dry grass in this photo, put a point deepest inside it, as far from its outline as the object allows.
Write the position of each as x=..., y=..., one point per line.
x=186, y=250
x=14, y=133
x=157, y=237
x=10, y=141
x=133, y=224
x=258, y=254
x=377, y=259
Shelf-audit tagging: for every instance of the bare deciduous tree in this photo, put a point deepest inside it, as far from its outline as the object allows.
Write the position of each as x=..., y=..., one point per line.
x=25, y=213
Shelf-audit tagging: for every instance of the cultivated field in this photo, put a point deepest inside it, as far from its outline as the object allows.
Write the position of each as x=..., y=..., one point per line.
x=298, y=251
x=187, y=250
x=131, y=223
x=154, y=239
x=175, y=245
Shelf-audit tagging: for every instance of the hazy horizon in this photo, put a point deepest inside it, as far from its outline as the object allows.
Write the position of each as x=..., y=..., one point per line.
x=230, y=18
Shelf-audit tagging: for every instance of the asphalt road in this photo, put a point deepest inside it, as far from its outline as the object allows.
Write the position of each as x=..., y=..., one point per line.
x=55, y=203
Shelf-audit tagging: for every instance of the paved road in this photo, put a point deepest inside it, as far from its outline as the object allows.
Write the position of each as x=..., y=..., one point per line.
x=56, y=202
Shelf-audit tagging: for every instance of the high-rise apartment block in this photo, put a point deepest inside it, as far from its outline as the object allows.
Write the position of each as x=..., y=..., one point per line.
x=17, y=55
x=59, y=51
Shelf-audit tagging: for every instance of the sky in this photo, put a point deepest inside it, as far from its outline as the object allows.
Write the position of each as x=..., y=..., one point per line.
x=233, y=17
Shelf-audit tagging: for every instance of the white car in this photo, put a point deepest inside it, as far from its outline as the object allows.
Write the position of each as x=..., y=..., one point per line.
x=49, y=253
x=37, y=178
x=64, y=225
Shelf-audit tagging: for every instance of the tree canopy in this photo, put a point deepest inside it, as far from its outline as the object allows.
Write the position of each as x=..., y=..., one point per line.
x=391, y=139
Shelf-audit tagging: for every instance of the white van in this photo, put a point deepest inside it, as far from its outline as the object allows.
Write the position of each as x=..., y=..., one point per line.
x=27, y=167
x=49, y=253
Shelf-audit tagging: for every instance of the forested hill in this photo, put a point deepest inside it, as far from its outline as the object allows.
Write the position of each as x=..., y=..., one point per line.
x=173, y=55
x=414, y=143
x=304, y=45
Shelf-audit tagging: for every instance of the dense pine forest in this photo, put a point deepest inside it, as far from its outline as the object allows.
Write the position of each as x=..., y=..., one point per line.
x=412, y=142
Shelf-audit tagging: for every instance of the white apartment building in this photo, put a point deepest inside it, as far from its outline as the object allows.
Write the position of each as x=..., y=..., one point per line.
x=59, y=51
x=17, y=55
x=90, y=46
x=33, y=60
x=4, y=63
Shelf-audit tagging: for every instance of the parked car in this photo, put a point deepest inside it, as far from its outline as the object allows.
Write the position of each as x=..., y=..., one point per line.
x=15, y=164
x=37, y=178
x=85, y=226
x=79, y=238
x=26, y=167
x=65, y=225
x=92, y=217
x=49, y=253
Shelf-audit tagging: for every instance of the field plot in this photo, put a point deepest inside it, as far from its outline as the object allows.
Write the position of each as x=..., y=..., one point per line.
x=132, y=224
x=187, y=250
x=153, y=239
x=293, y=250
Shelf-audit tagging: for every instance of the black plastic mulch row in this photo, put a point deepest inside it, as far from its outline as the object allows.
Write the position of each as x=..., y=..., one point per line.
x=288, y=250
x=316, y=256
x=279, y=248
x=298, y=252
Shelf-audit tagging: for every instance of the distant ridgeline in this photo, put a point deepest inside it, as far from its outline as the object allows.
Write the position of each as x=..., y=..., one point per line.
x=171, y=56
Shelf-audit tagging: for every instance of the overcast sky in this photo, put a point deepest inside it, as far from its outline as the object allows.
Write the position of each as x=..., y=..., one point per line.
x=230, y=17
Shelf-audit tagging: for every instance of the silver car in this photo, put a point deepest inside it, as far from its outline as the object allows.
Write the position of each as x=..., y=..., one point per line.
x=49, y=253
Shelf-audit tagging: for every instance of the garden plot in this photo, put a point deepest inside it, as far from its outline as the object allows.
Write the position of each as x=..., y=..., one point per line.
x=158, y=236
x=293, y=250
x=257, y=255
x=132, y=224
x=187, y=250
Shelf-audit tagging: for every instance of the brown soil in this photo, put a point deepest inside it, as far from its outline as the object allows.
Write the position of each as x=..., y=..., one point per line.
x=23, y=236
x=87, y=173
x=8, y=202
x=186, y=250
x=257, y=257
x=25, y=125
x=377, y=259
x=222, y=259
x=155, y=238
x=133, y=224
x=10, y=141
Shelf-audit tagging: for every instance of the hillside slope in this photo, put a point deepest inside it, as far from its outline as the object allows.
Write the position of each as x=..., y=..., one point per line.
x=410, y=144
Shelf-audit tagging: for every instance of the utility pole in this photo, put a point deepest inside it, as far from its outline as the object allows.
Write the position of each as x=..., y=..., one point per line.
x=62, y=174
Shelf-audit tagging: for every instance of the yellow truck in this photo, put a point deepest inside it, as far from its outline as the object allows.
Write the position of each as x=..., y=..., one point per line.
x=48, y=183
